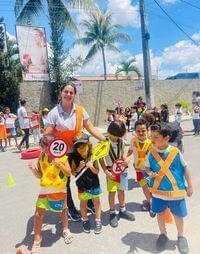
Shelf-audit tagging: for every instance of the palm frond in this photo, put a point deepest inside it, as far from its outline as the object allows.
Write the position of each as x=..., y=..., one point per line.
x=31, y=8
x=113, y=48
x=94, y=49
x=18, y=6
x=83, y=41
x=118, y=36
x=81, y=4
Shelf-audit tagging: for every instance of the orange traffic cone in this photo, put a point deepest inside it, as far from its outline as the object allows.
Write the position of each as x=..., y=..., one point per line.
x=19, y=251
x=168, y=216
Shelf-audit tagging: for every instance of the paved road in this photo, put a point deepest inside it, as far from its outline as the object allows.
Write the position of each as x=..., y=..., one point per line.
x=17, y=208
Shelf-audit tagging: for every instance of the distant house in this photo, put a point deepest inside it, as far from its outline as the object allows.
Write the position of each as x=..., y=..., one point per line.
x=186, y=75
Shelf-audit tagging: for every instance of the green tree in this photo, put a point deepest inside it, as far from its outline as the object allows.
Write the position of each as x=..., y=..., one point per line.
x=59, y=20
x=100, y=33
x=126, y=67
x=10, y=74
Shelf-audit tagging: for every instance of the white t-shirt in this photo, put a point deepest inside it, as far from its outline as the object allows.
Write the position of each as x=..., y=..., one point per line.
x=23, y=122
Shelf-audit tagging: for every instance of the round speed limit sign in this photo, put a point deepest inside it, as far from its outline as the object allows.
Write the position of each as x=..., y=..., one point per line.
x=58, y=148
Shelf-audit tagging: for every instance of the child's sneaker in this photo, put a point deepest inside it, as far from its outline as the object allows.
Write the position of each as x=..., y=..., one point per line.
x=86, y=226
x=36, y=247
x=98, y=227
x=182, y=245
x=113, y=220
x=161, y=242
x=126, y=215
x=68, y=237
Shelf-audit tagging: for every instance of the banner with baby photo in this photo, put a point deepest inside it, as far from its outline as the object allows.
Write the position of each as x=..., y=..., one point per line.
x=33, y=52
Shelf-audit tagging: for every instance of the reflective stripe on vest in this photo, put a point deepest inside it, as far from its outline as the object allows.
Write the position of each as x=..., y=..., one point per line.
x=165, y=171
x=68, y=135
x=141, y=152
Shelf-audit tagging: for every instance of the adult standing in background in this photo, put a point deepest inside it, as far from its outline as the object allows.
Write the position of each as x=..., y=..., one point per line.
x=65, y=121
x=140, y=106
x=24, y=123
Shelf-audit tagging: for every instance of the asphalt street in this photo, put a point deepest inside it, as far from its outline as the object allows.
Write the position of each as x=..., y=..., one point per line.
x=18, y=205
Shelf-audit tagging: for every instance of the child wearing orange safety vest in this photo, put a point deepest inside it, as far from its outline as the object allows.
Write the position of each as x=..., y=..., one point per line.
x=139, y=147
x=169, y=183
x=35, y=126
x=53, y=174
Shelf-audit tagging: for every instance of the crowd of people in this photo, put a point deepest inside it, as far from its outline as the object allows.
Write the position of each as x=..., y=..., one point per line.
x=161, y=170
x=21, y=124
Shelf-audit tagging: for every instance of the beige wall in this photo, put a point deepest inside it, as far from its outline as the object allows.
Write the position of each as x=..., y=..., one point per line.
x=97, y=96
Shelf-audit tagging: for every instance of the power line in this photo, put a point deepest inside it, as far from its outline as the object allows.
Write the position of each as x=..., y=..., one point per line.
x=195, y=6
x=173, y=21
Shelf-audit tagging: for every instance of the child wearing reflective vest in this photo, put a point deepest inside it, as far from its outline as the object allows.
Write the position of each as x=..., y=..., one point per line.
x=53, y=174
x=87, y=180
x=116, y=183
x=170, y=182
x=139, y=147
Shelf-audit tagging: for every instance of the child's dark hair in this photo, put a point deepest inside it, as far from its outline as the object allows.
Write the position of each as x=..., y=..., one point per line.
x=162, y=128
x=141, y=122
x=117, y=128
x=89, y=150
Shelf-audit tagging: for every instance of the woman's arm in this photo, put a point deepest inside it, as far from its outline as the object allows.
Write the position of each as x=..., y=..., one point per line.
x=93, y=130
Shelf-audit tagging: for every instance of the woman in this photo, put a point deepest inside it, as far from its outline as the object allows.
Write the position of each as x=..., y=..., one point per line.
x=65, y=121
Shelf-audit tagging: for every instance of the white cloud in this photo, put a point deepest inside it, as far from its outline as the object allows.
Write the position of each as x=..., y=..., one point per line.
x=180, y=57
x=95, y=66
x=169, y=1
x=124, y=12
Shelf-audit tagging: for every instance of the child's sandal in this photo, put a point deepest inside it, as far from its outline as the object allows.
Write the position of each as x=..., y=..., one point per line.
x=36, y=247
x=68, y=238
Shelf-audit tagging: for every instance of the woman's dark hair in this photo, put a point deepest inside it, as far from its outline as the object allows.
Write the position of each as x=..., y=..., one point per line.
x=70, y=83
x=162, y=128
x=117, y=128
x=143, y=121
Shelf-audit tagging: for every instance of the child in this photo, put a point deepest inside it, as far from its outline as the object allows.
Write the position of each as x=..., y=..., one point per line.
x=3, y=134
x=53, y=174
x=156, y=114
x=10, y=126
x=178, y=113
x=88, y=183
x=164, y=113
x=168, y=172
x=196, y=118
x=133, y=118
x=139, y=147
x=35, y=126
x=116, y=131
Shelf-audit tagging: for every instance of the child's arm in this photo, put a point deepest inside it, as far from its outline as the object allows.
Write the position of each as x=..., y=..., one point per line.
x=105, y=169
x=149, y=172
x=189, y=182
x=35, y=170
x=79, y=168
x=95, y=169
x=126, y=157
x=65, y=168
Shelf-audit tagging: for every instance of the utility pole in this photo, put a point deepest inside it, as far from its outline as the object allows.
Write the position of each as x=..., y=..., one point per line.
x=146, y=57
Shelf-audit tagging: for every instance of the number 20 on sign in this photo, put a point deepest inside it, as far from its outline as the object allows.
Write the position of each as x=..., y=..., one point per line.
x=58, y=148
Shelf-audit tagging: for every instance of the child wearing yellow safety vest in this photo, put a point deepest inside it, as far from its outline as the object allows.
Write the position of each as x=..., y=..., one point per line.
x=116, y=183
x=170, y=182
x=53, y=174
x=139, y=147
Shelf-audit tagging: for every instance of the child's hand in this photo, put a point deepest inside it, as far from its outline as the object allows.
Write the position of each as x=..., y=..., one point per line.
x=57, y=162
x=32, y=166
x=89, y=164
x=189, y=191
x=152, y=174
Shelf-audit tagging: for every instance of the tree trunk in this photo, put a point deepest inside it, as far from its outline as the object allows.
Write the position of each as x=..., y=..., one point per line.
x=104, y=63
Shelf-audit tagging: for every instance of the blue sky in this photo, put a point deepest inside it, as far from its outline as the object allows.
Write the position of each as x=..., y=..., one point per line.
x=171, y=50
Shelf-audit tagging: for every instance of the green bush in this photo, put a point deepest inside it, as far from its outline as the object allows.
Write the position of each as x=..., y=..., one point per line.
x=185, y=105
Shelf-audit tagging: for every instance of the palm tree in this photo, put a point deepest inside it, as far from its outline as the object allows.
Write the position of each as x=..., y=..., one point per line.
x=100, y=33
x=127, y=67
